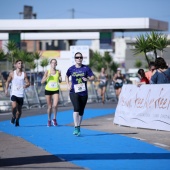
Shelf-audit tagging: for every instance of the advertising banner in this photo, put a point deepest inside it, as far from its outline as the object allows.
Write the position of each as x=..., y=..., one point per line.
x=147, y=106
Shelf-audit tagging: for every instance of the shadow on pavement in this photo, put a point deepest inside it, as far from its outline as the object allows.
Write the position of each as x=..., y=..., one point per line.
x=114, y=156
x=29, y=160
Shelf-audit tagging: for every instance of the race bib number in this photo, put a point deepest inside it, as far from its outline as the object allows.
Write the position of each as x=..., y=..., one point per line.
x=119, y=81
x=53, y=84
x=79, y=87
x=103, y=81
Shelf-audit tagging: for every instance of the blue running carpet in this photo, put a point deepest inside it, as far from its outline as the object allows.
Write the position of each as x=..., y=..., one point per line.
x=93, y=149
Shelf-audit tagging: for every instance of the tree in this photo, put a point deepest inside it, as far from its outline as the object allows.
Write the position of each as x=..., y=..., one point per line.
x=32, y=66
x=162, y=43
x=37, y=56
x=11, y=46
x=153, y=39
x=142, y=46
x=2, y=55
x=109, y=63
x=151, y=42
x=44, y=62
x=97, y=61
x=138, y=63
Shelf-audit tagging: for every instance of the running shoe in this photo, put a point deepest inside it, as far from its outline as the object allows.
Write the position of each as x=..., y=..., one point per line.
x=78, y=131
x=75, y=132
x=49, y=123
x=54, y=122
x=12, y=120
x=17, y=122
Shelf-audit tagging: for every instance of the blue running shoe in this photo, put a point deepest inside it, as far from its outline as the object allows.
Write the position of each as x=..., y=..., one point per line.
x=78, y=131
x=75, y=131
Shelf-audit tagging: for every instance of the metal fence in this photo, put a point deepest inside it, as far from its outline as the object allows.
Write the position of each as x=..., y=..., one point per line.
x=34, y=96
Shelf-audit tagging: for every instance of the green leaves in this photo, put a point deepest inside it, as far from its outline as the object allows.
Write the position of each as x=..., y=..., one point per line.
x=98, y=61
x=44, y=62
x=151, y=42
x=36, y=55
x=141, y=45
x=2, y=55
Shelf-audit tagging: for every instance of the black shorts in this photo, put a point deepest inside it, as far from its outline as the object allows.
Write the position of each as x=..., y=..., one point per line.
x=18, y=100
x=101, y=85
x=79, y=102
x=118, y=85
x=47, y=92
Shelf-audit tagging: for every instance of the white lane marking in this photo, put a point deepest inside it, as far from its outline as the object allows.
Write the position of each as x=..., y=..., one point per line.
x=160, y=144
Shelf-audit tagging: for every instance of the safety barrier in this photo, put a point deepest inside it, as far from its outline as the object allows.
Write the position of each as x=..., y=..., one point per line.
x=34, y=96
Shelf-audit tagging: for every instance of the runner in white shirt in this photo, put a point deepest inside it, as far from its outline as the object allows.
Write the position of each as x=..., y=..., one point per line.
x=19, y=82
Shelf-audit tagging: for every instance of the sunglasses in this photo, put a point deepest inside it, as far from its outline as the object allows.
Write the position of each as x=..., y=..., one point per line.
x=78, y=57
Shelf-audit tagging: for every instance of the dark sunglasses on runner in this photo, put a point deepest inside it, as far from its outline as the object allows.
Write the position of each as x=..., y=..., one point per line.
x=78, y=57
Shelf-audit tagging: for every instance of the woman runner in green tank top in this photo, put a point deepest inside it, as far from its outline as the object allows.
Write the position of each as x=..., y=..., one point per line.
x=52, y=77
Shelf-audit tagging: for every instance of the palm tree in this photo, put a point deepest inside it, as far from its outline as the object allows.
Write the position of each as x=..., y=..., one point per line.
x=153, y=41
x=2, y=55
x=142, y=45
x=37, y=56
x=138, y=63
x=96, y=61
x=11, y=46
x=109, y=63
x=162, y=43
x=44, y=63
x=32, y=66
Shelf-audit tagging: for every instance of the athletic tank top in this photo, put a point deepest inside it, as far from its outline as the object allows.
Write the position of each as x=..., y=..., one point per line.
x=119, y=79
x=17, y=88
x=103, y=79
x=53, y=82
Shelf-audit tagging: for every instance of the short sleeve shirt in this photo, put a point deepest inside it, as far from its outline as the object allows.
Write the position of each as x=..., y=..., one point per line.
x=76, y=77
x=161, y=77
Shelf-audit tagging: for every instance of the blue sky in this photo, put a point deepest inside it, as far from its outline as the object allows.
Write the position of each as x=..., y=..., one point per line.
x=60, y=9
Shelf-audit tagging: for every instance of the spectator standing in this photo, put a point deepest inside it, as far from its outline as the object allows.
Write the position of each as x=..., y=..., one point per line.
x=143, y=78
x=148, y=74
x=162, y=73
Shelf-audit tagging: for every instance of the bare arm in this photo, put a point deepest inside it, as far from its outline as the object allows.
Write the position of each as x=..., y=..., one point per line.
x=68, y=83
x=10, y=77
x=140, y=83
x=114, y=77
x=91, y=78
x=27, y=83
x=45, y=77
x=60, y=78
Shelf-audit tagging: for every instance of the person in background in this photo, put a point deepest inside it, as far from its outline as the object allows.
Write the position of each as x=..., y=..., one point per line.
x=161, y=75
x=126, y=80
x=118, y=82
x=19, y=81
x=52, y=77
x=143, y=78
x=148, y=74
x=103, y=78
x=78, y=89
